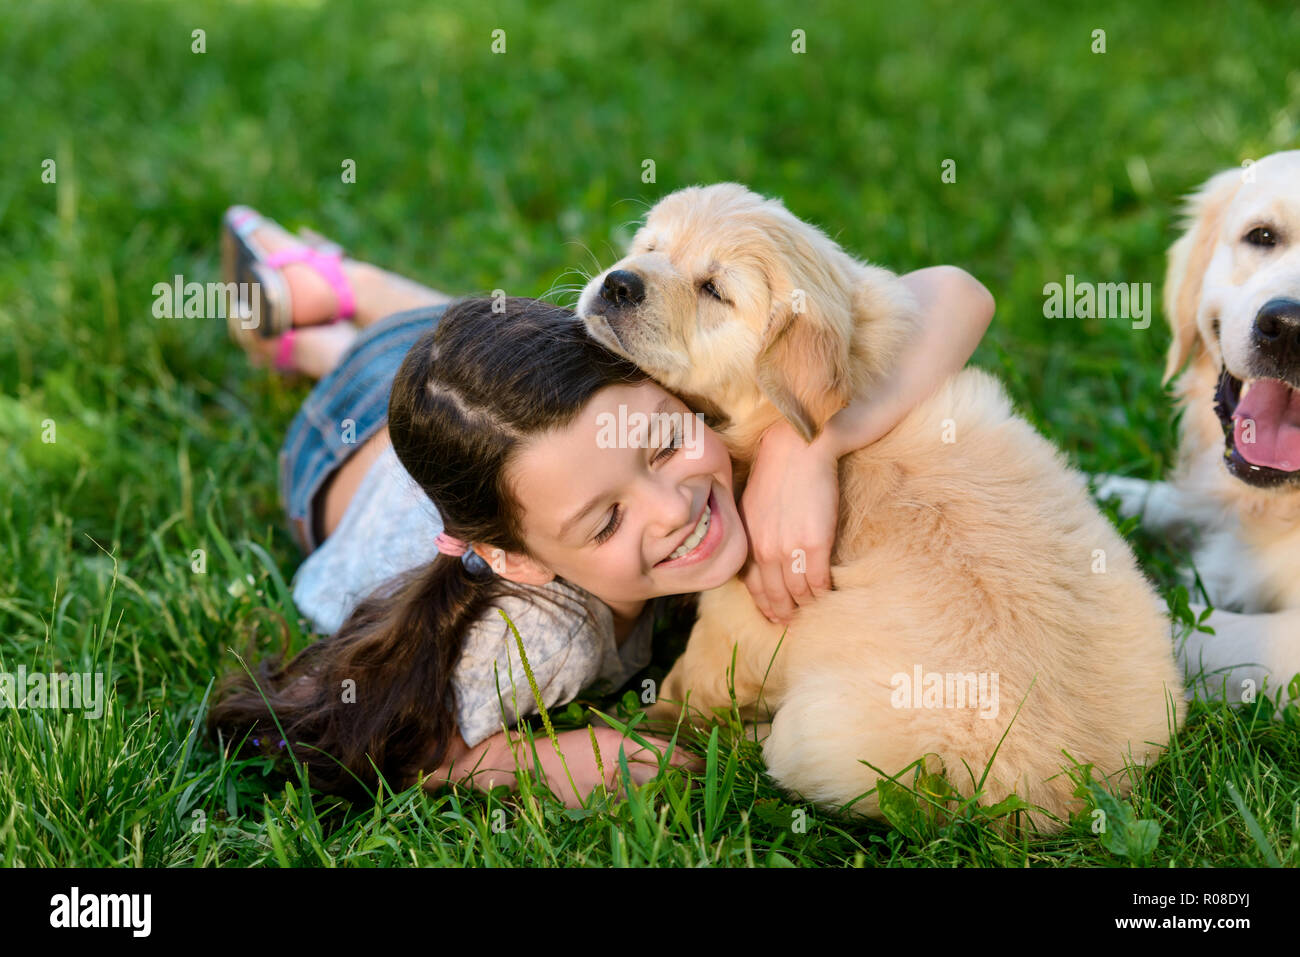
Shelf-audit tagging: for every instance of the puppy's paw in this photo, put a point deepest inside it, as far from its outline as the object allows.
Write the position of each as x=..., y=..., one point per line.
x=1131, y=494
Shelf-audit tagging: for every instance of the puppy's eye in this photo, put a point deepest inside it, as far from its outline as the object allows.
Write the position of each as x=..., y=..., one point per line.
x=709, y=289
x=1261, y=236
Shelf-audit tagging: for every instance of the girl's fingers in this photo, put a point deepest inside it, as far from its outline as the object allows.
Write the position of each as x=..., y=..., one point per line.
x=753, y=580
x=796, y=583
x=778, y=596
x=816, y=578
x=681, y=758
x=645, y=757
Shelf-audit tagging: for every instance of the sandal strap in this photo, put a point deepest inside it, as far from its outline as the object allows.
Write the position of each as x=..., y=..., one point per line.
x=328, y=265
x=284, y=352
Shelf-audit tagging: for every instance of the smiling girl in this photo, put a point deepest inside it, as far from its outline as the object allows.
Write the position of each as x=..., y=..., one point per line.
x=490, y=487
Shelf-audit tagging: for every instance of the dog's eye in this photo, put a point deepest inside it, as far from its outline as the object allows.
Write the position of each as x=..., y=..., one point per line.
x=1261, y=236
x=711, y=290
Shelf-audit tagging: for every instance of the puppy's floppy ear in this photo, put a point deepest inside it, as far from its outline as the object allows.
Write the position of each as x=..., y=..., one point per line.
x=803, y=367
x=1189, y=257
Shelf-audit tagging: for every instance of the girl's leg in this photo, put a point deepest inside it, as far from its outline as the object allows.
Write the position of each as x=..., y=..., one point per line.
x=317, y=348
x=340, y=430
x=333, y=498
x=382, y=293
x=318, y=476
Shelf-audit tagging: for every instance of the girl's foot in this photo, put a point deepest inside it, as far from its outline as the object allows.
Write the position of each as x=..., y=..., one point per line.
x=318, y=292
x=312, y=351
x=298, y=285
x=285, y=283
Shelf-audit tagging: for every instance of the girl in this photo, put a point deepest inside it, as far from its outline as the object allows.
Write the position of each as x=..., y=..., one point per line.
x=494, y=416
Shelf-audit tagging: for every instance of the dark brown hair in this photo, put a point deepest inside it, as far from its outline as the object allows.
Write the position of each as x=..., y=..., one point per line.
x=467, y=394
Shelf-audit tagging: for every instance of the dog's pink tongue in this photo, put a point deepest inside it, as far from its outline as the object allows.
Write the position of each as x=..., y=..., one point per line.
x=1267, y=426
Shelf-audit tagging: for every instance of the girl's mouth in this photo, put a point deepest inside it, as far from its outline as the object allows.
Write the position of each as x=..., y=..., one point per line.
x=703, y=540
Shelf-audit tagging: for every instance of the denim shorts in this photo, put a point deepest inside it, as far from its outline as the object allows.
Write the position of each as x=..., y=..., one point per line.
x=342, y=411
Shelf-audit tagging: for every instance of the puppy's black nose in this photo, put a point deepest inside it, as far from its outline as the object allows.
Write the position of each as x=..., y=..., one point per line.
x=1277, y=331
x=623, y=287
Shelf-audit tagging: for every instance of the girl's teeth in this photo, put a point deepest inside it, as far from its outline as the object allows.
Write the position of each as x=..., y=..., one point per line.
x=695, y=538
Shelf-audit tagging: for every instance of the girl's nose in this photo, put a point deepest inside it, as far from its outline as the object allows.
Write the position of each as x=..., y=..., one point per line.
x=674, y=507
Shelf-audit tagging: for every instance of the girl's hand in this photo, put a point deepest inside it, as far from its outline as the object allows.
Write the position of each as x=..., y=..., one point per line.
x=792, y=499
x=790, y=508
x=642, y=763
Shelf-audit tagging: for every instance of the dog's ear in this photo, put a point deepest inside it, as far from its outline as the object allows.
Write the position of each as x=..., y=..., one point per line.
x=803, y=367
x=1189, y=257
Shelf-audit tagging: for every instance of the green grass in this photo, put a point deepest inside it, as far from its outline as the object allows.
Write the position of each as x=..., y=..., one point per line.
x=478, y=171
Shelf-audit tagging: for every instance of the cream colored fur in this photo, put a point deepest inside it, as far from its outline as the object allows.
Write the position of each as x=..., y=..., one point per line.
x=1244, y=541
x=966, y=544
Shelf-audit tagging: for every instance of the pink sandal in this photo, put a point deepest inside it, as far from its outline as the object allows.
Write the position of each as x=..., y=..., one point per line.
x=263, y=294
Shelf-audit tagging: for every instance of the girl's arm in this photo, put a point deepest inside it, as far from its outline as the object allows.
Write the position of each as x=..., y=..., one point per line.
x=494, y=761
x=792, y=498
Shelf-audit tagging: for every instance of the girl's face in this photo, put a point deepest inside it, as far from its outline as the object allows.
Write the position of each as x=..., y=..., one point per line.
x=632, y=500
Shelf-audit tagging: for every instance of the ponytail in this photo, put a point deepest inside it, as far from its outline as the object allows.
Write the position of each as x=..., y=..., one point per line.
x=378, y=692
x=375, y=694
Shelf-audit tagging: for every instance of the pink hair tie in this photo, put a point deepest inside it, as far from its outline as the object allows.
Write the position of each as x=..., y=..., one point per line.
x=450, y=545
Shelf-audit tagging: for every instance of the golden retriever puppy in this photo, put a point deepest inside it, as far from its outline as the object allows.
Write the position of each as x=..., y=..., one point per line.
x=1232, y=298
x=981, y=603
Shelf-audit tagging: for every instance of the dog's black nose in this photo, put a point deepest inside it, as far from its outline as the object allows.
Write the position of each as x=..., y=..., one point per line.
x=1277, y=331
x=623, y=287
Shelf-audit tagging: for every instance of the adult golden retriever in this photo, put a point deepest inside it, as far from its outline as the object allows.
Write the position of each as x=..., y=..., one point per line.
x=1232, y=298
x=977, y=591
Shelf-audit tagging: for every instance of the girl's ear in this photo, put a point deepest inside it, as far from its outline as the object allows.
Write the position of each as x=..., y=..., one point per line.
x=514, y=566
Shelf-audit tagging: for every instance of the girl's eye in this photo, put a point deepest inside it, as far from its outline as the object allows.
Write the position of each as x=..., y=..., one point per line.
x=1261, y=236
x=667, y=451
x=615, y=520
x=712, y=290
x=616, y=516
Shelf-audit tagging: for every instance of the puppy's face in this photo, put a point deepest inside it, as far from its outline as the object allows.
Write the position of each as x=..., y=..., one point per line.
x=690, y=300
x=712, y=280
x=1235, y=290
